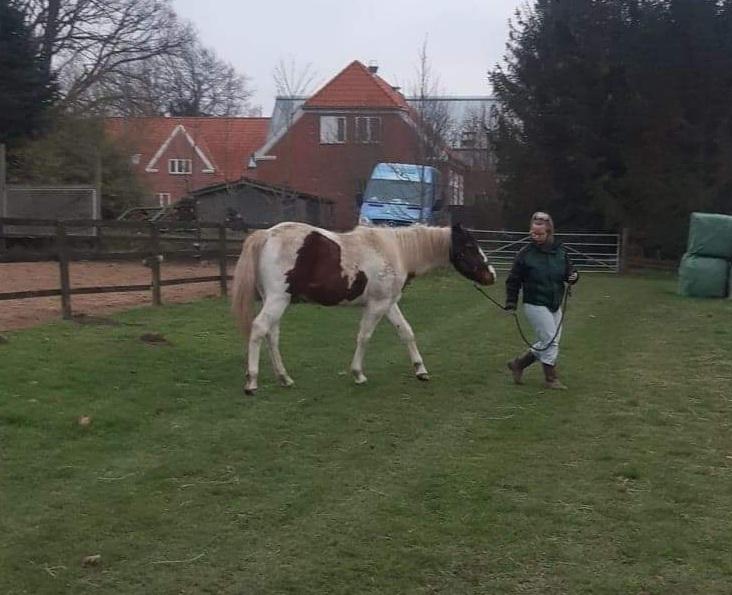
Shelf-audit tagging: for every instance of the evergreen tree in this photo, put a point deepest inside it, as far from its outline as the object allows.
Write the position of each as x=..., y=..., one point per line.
x=69, y=154
x=26, y=92
x=617, y=112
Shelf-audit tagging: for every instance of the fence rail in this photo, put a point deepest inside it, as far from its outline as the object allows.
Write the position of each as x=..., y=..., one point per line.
x=120, y=240
x=590, y=252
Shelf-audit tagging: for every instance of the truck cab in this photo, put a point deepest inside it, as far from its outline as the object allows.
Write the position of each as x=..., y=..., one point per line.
x=399, y=194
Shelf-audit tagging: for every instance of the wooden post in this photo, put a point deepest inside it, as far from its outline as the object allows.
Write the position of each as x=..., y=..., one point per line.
x=97, y=208
x=3, y=196
x=222, y=260
x=63, y=265
x=623, y=250
x=155, y=264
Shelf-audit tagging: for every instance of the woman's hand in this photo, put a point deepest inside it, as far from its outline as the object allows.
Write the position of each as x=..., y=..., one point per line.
x=573, y=277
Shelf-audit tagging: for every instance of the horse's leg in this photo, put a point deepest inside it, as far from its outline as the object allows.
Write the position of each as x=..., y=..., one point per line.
x=373, y=313
x=269, y=315
x=406, y=334
x=273, y=340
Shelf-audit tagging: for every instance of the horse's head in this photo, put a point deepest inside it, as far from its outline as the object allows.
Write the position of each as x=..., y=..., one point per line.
x=467, y=257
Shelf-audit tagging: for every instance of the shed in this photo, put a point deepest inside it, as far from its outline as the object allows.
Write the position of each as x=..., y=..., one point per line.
x=257, y=204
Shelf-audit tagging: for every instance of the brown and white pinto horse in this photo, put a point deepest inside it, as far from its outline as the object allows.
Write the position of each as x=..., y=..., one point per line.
x=368, y=266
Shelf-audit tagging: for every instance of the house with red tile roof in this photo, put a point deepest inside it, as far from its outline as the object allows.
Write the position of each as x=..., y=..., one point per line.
x=324, y=145
x=175, y=156
x=328, y=144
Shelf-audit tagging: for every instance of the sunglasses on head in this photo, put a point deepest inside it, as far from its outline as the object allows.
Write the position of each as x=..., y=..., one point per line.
x=540, y=217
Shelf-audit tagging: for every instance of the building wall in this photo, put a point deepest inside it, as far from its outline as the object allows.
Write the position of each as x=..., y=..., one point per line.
x=257, y=207
x=336, y=171
x=177, y=185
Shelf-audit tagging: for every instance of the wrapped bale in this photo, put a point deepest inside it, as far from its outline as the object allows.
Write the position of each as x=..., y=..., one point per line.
x=700, y=276
x=710, y=234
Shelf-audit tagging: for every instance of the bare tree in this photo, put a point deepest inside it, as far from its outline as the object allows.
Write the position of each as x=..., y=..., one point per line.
x=293, y=80
x=86, y=41
x=193, y=82
x=200, y=84
x=432, y=115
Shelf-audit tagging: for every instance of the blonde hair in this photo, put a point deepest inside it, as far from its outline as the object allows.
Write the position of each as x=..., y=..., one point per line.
x=544, y=219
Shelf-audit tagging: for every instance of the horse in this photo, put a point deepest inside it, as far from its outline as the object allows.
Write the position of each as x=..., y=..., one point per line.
x=367, y=266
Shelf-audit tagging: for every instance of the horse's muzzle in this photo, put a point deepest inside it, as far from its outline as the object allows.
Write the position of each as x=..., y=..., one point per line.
x=487, y=277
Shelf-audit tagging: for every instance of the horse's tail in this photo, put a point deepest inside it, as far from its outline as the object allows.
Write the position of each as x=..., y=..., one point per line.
x=244, y=291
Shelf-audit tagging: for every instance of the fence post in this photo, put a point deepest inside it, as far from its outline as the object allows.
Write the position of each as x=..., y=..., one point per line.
x=623, y=249
x=155, y=264
x=63, y=265
x=222, y=260
x=3, y=196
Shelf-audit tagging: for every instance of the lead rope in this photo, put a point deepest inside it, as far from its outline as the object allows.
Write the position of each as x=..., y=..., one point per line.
x=567, y=293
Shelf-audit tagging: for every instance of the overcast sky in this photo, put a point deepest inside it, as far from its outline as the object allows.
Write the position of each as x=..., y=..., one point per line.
x=465, y=38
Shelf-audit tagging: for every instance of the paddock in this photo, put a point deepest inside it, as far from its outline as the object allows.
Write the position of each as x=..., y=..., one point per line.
x=29, y=276
x=148, y=459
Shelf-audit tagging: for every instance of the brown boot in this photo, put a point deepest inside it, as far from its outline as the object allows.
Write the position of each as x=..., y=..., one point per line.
x=519, y=364
x=551, y=380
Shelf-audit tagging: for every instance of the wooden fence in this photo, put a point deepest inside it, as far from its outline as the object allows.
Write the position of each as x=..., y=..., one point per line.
x=114, y=241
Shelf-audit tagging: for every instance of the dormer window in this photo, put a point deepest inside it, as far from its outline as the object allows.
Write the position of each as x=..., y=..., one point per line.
x=180, y=166
x=332, y=130
x=368, y=129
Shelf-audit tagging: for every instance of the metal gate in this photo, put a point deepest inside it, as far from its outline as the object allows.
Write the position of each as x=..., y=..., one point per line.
x=590, y=252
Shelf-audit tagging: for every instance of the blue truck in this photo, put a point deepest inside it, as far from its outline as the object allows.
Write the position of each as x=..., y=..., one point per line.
x=399, y=194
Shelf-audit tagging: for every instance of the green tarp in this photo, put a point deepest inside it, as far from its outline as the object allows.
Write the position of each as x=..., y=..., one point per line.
x=710, y=234
x=700, y=276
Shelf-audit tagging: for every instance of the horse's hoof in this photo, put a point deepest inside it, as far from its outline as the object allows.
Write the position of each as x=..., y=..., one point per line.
x=359, y=379
x=250, y=391
x=424, y=377
x=286, y=381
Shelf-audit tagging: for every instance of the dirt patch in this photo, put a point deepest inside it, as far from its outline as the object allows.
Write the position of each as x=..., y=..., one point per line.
x=17, y=314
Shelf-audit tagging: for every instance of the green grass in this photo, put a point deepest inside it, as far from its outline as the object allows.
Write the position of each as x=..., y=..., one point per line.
x=466, y=484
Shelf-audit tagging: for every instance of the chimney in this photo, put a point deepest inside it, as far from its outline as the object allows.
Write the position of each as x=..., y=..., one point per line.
x=373, y=66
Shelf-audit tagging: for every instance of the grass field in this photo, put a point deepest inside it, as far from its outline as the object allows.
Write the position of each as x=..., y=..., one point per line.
x=466, y=484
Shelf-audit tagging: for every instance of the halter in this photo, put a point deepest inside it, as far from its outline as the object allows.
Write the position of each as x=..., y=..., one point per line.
x=567, y=293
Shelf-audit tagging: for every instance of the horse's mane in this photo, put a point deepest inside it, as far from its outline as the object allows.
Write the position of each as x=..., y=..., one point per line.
x=421, y=247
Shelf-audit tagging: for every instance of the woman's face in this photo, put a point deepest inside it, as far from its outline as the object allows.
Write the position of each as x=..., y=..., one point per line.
x=538, y=233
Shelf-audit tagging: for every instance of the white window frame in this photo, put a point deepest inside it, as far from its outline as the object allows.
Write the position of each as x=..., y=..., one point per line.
x=163, y=198
x=333, y=130
x=180, y=167
x=371, y=129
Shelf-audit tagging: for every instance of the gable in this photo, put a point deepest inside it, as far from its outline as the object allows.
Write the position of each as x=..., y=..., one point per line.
x=179, y=131
x=222, y=145
x=357, y=87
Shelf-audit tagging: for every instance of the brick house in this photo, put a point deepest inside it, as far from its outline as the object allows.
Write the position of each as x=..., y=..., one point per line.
x=175, y=156
x=327, y=144
x=324, y=145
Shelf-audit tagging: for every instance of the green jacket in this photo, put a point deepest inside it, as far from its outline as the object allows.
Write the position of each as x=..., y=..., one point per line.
x=541, y=271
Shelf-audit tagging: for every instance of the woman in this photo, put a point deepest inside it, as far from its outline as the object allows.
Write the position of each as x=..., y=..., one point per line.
x=540, y=269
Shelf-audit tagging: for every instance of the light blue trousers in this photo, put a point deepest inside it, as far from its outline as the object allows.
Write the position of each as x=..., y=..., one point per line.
x=544, y=323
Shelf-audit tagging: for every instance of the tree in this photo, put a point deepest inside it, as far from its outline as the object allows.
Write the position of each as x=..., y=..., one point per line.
x=432, y=116
x=85, y=42
x=612, y=111
x=204, y=85
x=27, y=90
x=191, y=82
x=70, y=154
